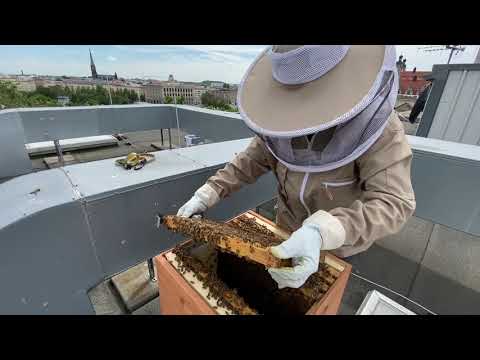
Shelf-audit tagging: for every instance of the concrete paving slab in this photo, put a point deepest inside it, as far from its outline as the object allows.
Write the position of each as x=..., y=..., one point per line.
x=157, y=145
x=53, y=161
x=104, y=301
x=385, y=267
x=444, y=296
x=356, y=291
x=346, y=309
x=135, y=287
x=454, y=255
x=151, y=308
x=105, y=153
x=137, y=141
x=411, y=241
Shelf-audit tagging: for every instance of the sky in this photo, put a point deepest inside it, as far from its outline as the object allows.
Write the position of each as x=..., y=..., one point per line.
x=186, y=62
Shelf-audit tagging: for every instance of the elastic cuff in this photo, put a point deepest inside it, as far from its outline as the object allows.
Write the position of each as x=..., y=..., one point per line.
x=208, y=195
x=331, y=229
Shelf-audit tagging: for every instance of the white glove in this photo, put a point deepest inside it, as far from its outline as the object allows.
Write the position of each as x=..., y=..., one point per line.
x=303, y=247
x=321, y=231
x=203, y=199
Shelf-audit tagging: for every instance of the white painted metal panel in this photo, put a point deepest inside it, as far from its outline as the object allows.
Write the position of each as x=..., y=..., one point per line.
x=375, y=303
x=460, y=118
x=457, y=116
x=45, y=147
x=445, y=106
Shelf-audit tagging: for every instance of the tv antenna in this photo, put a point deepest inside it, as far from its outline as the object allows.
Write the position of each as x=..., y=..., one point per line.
x=454, y=49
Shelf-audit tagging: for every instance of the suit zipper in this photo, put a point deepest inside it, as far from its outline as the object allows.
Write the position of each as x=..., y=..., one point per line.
x=327, y=184
x=302, y=193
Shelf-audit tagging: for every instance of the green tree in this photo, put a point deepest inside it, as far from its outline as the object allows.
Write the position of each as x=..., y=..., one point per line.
x=168, y=100
x=181, y=100
x=208, y=99
x=10, y=96
x=132, y=96
x=142, y=97
x=36, y=99
x=215, y=103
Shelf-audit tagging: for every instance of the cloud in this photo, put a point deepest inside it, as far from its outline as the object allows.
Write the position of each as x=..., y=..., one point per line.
x=183, y=71
x=43, y=66
x=217, y=53
x=186, y=62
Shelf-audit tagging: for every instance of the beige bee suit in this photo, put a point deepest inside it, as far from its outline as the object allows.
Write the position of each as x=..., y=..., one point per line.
x=354, y=205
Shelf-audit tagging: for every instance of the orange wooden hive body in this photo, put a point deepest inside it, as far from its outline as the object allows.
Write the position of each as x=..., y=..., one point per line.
x=183, y=294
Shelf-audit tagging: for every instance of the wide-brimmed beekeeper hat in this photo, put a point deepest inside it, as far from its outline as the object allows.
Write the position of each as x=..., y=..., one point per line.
x=290, y=91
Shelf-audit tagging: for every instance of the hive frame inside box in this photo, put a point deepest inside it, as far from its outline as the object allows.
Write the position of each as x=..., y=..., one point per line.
x=187, y=295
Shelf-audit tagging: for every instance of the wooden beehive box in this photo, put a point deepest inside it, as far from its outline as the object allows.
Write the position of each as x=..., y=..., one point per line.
x=188, y=286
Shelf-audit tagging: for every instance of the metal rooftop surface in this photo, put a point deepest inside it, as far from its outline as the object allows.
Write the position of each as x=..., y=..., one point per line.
x=100, y=219
x=445, y=148
x=33, y=193
x=109, y=177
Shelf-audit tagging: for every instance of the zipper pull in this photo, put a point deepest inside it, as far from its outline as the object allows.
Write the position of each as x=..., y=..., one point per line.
x=328, y=192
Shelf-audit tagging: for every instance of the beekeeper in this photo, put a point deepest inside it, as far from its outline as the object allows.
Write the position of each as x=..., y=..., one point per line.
x=324, y=123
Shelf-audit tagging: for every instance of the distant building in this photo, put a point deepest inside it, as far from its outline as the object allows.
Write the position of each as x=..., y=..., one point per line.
x=88, y=83
x=157, y=92
x=170, y=78
x=96, y=76
x=216, y=84
x=227, y=95
x=413, y=82
x=198, y=91
x=23, y=83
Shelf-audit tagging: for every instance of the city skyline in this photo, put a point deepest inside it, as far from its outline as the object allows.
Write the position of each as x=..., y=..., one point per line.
x=186, y=62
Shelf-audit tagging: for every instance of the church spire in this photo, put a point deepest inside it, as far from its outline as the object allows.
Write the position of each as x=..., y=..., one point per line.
x=92, y=66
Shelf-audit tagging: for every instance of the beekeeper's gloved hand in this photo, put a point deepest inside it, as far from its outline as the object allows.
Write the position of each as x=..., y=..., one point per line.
x=204, y=198
x=303, y=247
x=321, y=231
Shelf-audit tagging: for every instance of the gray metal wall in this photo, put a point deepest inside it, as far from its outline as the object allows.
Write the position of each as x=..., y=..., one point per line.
x=14, y=160
x=453, y=108
x=79, y=229
x=63, y=231
x=214, y=126
x=20, y=126
x=445, y=177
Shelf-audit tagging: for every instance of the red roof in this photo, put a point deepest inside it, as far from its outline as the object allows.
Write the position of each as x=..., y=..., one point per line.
x=413, y=82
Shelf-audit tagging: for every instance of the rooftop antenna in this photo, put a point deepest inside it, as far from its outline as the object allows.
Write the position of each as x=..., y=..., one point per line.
x=453, y=49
